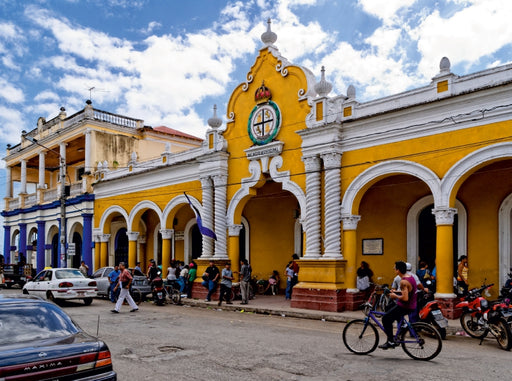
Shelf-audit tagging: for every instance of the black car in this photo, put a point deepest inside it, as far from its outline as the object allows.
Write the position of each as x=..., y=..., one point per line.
x=39, y=341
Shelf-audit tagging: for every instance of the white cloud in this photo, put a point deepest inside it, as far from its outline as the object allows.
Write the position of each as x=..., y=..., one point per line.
x=46, y=96
x=12, y=123
x=476, y=31
x=151, y=27
x=386, y=10
x=371, y=74
x=10, y=93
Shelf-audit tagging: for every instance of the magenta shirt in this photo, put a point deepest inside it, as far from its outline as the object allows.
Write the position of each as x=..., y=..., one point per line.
x=411, y=303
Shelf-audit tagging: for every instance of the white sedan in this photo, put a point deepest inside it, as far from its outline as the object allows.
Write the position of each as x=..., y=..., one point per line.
x=62, y=284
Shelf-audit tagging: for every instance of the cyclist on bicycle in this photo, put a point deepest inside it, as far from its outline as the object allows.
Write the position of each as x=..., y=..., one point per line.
x=405, y=303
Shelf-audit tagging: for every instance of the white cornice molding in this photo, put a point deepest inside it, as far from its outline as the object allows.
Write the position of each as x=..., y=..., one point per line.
x=157, y=178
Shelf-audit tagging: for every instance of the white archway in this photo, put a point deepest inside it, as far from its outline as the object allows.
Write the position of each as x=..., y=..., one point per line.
x=505, y=233
x=178, y=200
x=390, y=168
x=413, y=233
x=110, y=210
x=474, y=160
x=143, y=205
x=279, y=177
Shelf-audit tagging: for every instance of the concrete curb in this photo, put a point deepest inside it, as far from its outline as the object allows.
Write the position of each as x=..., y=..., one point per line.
x=340, y=317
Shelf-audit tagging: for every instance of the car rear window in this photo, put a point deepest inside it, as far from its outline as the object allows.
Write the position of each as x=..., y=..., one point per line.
x=68, y=273
x=33, y=321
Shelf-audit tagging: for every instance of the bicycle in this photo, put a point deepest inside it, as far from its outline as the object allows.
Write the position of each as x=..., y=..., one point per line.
x=172, y=290
x=420, y=341
x=378, y=300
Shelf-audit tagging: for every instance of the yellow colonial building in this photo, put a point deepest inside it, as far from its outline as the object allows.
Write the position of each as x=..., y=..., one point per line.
x=424, y=174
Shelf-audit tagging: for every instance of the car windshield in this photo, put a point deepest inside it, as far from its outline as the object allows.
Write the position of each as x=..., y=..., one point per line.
x=68, y=273
x=31, y=321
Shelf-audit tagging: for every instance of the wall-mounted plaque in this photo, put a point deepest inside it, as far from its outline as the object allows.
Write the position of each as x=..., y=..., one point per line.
x=373, y=246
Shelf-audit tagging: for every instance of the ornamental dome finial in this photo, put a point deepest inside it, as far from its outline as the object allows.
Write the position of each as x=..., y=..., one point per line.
x=323, y=87
x=268, y=37
x=444, y=65
x=215, y=121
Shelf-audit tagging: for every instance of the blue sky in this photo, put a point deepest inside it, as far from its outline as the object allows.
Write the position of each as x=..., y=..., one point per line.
x=168, y=62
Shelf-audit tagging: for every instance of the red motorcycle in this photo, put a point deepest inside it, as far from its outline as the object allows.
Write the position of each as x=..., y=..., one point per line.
x=479, y=317
x=430, y=312
x=158, y=291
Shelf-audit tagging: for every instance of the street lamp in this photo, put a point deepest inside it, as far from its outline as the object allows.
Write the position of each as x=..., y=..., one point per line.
x=62, y=169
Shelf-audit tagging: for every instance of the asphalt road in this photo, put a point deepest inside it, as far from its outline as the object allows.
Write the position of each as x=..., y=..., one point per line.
x=187, y=343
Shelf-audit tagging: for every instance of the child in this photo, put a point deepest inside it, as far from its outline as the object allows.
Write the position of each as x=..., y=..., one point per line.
x=273, y=283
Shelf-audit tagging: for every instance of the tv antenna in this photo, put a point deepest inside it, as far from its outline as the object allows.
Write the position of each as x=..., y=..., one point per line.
x=94, y=88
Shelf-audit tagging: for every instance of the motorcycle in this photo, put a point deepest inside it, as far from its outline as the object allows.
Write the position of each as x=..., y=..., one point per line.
x=430, y=312
x=158, y=291
x=479, y=317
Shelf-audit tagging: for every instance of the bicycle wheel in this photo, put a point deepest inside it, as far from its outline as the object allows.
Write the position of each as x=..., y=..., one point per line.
x=136, y=296
x=470, y=325
x=175, y=296
x=426, y=346
x=360, y=337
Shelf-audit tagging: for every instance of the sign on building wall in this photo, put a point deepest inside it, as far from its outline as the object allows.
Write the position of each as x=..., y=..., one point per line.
x=373, y=246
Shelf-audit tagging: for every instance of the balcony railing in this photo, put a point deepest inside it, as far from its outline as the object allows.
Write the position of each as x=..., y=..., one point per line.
x=50, y=195
x=47, y=196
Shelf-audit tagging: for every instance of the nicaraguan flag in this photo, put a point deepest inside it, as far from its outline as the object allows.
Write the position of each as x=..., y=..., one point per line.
x=203, y=229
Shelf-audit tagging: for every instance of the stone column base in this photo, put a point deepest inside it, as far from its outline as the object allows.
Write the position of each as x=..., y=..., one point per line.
x=200, y=292
x=332, y=300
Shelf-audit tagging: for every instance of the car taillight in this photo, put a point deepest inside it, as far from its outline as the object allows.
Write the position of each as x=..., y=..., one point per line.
x=92, y=284
x=90, y=361
x=104, y=359
x=65, y=284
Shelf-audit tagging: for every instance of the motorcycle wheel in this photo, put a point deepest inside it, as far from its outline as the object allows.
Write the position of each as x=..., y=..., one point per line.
x=471, y=326
x=503, y=335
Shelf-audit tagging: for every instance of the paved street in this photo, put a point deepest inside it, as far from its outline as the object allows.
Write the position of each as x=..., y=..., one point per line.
x=192, y=343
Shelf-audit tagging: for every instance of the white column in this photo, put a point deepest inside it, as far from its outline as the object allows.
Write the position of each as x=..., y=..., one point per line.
x=332, y=200
x=220, y=182
x=42, y=169
x=313, y=207
x=8, y=182
x=207, y=215
x=88, y=153
x=23, y=189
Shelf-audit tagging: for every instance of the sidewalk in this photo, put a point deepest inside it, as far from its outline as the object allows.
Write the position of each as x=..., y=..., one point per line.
x=277, y=305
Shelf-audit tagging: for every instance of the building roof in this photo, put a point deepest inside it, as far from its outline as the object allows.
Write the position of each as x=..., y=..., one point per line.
x=172, y=131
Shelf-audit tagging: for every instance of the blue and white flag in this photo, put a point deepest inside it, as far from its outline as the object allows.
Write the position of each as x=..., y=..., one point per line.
x=203, y=229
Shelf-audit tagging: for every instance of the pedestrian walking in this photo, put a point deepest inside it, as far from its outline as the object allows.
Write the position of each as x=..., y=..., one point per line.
x=113, y=278
x=125, y=281
x=225, y=284
x=245, y=280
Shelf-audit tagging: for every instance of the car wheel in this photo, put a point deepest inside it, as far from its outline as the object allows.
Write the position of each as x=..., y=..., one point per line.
x=50, y=297
x=87, y=301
